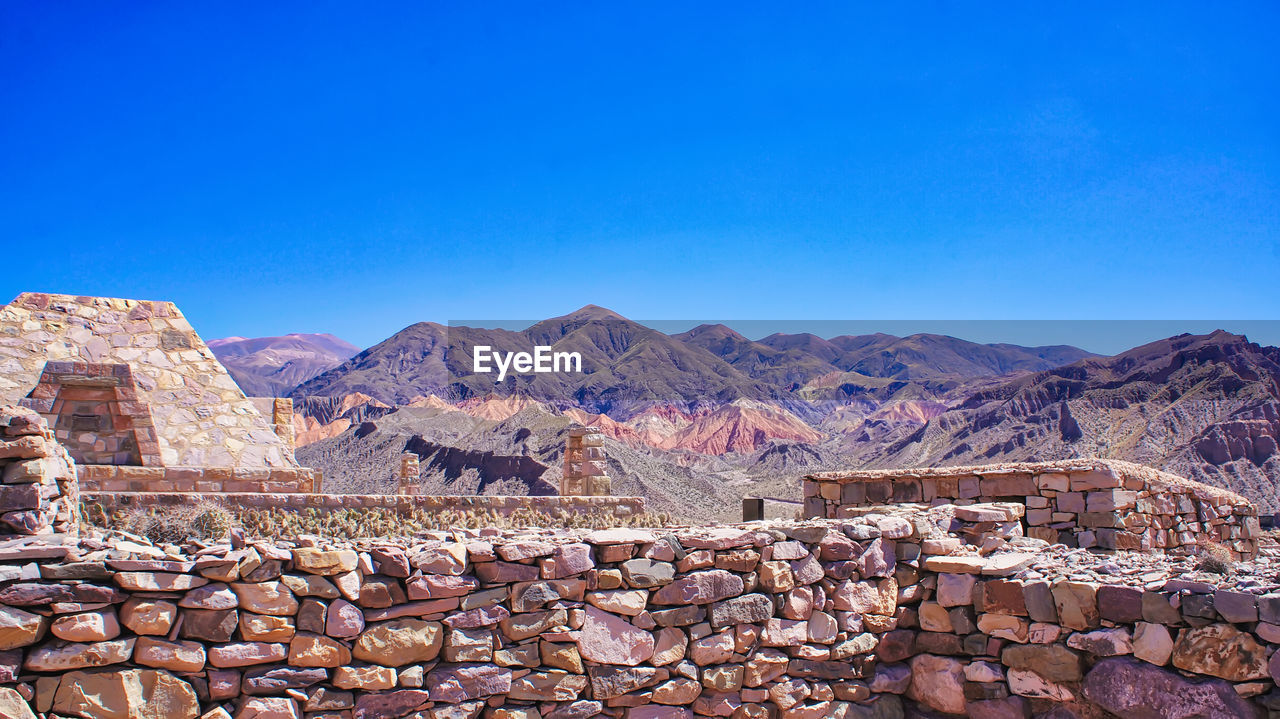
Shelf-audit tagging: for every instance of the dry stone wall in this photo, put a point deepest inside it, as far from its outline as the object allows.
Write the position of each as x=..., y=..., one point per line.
x=38, y=489
x=1107, y=504
x=871, y=616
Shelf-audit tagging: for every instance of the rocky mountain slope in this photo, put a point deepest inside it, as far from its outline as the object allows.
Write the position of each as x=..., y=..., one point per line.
x=272, y=366
x=628, y=368
x=1206, y=407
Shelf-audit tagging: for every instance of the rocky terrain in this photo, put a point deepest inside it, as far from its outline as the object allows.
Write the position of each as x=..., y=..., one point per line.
x=272, y=366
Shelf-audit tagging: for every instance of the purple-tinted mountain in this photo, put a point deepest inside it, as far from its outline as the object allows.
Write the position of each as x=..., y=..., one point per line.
x=272, y=366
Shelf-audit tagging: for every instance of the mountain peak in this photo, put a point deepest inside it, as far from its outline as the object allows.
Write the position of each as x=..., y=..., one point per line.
x=592, y=312
x=712, y=331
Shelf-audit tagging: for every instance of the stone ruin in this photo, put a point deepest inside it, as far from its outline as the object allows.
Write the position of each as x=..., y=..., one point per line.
x=139, y=400
x=585, y=471
x=1088, y=503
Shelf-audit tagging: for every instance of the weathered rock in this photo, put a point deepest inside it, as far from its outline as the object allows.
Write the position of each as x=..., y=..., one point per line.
x=462, y=682
x=268, y=708
x=1220, y=650
x=317, y=650
x=273, y=598
x=1053, y=662
x=125, y=694
x=937, y=682
x=148, y=616
x=176, y=656
x=60, y=656
x=316, y=561
x=1152, y=643
x=745, y=609
x=554, y=686
x=399, y=642
x=243, y=654
x=13, y=706
x=20, y=628
x=703, y=587
x=610, y=639
x=1136, y=690
x=275, y=680
x=867, y=597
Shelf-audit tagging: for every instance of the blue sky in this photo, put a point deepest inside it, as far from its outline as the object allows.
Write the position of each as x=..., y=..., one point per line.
x=278, y=167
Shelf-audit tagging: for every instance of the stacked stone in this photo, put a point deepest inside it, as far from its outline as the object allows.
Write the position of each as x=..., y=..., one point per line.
x=860, y=618
x=38, y=493
x=1105, y=504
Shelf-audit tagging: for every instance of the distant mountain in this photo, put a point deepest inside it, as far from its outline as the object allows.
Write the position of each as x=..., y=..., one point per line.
x=272, y=366
x=628, y=367
x=728, y=415
x=1206, y=407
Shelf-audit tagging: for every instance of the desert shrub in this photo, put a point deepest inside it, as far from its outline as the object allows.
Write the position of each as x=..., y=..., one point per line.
x=380, y=522
x=208, y=520
x=167, y=525
x=1214, y=558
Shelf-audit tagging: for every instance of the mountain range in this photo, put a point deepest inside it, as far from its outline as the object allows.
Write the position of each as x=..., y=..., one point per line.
x=273, y=366
x=698, y=419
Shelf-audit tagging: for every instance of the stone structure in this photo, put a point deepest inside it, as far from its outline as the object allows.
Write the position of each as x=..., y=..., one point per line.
x=280, y=410
x=39, y=493
x=139, y=400
x=859, y=618
x=1088, y=503
x=585, y=470
x=410, y=473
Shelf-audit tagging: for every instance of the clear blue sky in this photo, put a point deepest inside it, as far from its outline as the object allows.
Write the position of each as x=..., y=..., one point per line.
x=354, y=168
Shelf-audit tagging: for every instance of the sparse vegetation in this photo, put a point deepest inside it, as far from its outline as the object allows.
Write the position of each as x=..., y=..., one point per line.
x=1215, y=559
x=203, y=520
x=209, y=520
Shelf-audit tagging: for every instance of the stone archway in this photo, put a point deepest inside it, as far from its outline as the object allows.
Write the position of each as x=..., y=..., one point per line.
x=95, y=412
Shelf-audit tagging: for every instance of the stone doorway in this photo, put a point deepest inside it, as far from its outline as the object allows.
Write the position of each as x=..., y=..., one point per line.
x=95, y=413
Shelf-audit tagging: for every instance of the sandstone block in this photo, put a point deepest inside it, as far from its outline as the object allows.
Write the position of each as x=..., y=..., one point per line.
x=125, y=694
x=1220, y=650
x=271, y=597
x=937, y=682
x=365, y=678
x=19, y=628
x=243, y=654
x=61, y=656
x=553, y=686
x=317, y=650
x=608, y=639
x=463, y=682
x=399, y=642
x=316, y=561
x=176, y=656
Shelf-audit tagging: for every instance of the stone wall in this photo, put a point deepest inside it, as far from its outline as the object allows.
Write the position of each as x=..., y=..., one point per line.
x=38, y=490
x=859, y=617
x=198, y=480
x=183, y=406
x=1087, y=503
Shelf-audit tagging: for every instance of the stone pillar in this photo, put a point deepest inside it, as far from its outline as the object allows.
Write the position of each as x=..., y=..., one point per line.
x=407, y=479
x=585, y=471
x=282, y=420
